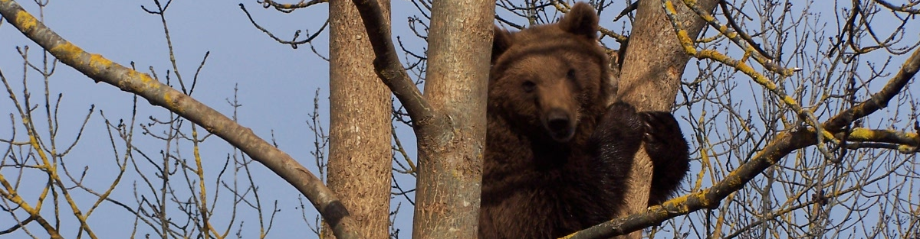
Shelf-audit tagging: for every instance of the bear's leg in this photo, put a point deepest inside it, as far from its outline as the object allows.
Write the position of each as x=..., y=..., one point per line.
x=669, y=153
x=613, y=144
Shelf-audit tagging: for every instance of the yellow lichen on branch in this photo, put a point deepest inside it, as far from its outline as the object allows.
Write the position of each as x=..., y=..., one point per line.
x=735, y=37
x=682, y=36
x=10, y=193
x=907, y=141
x=868, y=134
x=67, y=52
x=687, y=43
x=50, y=168
x=26, y=20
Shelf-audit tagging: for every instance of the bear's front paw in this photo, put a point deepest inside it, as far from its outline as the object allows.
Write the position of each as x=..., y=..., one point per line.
x=664, y=142
x=669, y=152
x=661, y=128
x=622, y=115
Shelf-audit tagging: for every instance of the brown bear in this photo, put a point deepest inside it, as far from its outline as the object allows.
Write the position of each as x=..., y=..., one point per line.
x=556, y=157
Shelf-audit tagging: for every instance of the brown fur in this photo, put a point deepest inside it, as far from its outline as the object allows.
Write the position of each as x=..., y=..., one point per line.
x=539, y=181
x=547, y=171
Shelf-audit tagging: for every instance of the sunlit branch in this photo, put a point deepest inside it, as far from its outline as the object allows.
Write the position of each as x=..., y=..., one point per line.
x=905, y=142
x=740, y=39
x=687, y=43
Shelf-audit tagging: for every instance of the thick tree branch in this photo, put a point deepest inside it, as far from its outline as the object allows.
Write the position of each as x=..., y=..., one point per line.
x=882, y=136
x=387, y=64
x=101, y=69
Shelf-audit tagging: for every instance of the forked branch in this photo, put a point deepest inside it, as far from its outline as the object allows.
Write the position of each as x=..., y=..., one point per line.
x=387, y=63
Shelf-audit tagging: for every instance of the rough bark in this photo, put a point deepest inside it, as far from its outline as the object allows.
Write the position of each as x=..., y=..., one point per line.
x=359, y=131
x=650, y=78
x=451, y=148
x=655, y=61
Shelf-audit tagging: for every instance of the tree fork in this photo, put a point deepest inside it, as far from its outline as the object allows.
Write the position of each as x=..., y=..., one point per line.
x=450, y=158
x=650, y=78
x=450, y=119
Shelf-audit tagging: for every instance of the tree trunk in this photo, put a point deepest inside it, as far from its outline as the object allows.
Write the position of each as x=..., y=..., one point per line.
x=650, y=78
x=360, y=128
x=451, y=145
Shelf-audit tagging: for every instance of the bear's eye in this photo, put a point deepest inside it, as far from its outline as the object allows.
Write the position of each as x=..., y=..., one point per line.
x=570, y=74
x=528, y=86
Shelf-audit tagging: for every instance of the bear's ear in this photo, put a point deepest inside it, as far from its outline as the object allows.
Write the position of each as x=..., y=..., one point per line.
x=580, y=20
x=500, y=42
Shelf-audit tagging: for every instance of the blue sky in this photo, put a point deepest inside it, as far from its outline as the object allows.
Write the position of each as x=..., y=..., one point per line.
x=276, y=88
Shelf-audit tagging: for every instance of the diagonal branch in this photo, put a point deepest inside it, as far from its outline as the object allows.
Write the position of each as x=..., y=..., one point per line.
x=784, y=144
x=101, y=69
x=388, y=65
x=706, y=198
x=879, y=99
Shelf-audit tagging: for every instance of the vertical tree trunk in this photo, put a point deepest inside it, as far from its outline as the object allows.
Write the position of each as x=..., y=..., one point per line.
x=360, y=130
x=451, y=145
x=650, y=78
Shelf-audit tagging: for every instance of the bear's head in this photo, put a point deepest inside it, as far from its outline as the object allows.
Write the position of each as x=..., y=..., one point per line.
x=547, y=79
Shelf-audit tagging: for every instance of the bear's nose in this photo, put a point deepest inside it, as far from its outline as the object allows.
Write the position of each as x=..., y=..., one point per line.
x=559, y=125
x=557, y=120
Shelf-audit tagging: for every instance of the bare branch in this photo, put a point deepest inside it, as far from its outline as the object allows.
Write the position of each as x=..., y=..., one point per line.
x=879, y=99
x=778, y=148
x=101, y=69
x=290, y=7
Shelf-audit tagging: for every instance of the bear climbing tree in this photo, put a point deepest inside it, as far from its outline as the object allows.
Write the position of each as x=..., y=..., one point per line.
x=556, y=156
